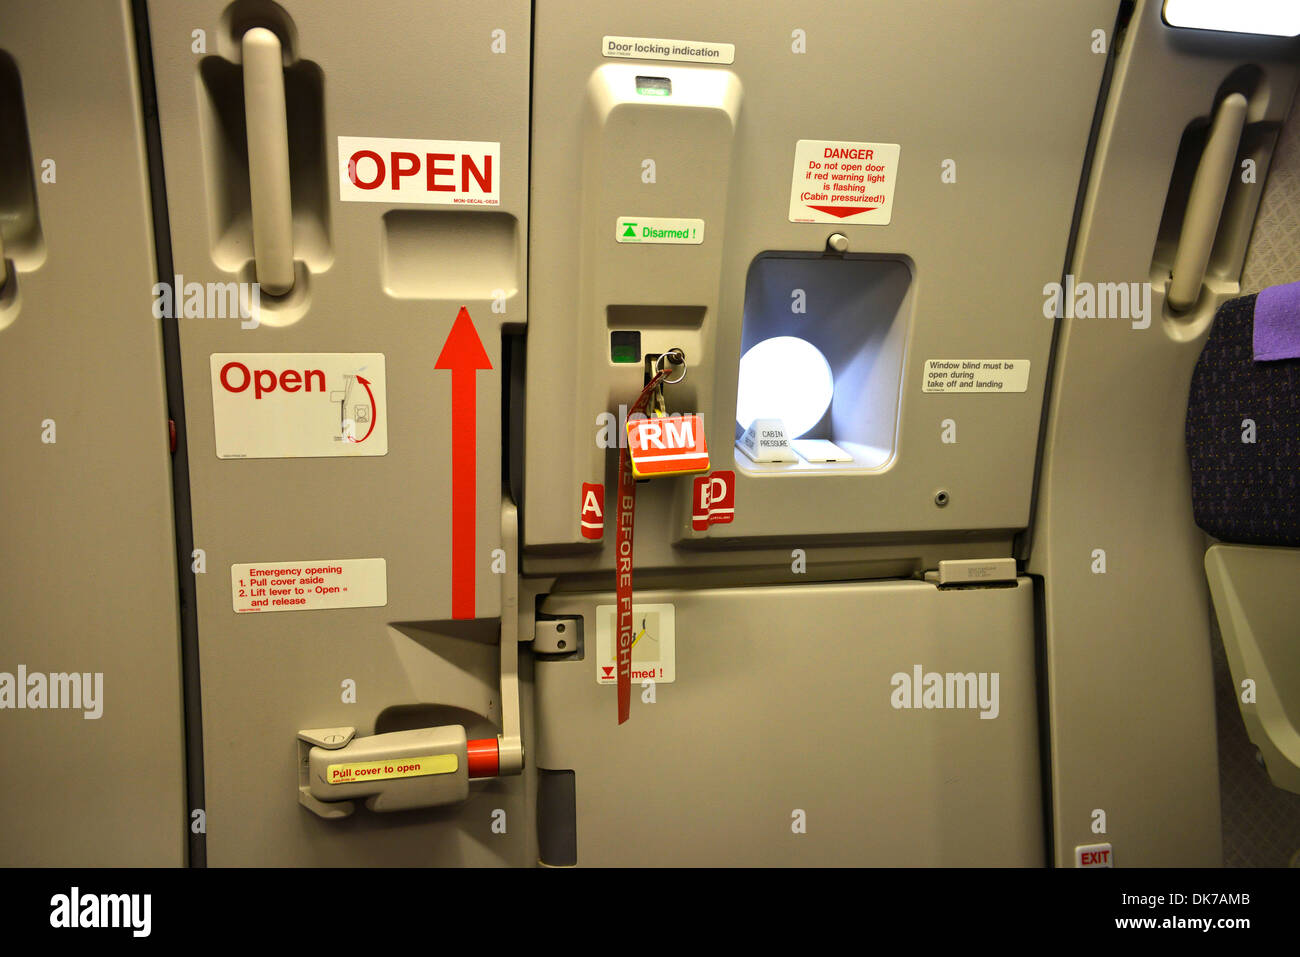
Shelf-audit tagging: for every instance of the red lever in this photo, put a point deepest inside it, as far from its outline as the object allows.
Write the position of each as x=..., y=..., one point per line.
x=483, y=758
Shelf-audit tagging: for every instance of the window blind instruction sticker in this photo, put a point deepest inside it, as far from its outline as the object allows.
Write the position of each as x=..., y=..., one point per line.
x=838, y=182
x=654, y=656
x=309, y=586
x=650, y=229
x=282, y=405
x=976, y=375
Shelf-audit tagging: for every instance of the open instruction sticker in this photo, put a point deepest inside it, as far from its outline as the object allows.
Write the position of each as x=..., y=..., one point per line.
x=277, y=405
x=653, y=654
x=839, y=182
x=382, y=169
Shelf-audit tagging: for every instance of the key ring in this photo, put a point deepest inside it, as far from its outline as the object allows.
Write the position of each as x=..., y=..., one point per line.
x=680, y=359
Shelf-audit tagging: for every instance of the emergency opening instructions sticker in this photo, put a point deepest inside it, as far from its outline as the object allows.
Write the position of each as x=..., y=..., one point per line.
x=309, y=585
x=838, y=182
x=650, y=229
x=654, y=656
x=282, y=405
x=976, y=375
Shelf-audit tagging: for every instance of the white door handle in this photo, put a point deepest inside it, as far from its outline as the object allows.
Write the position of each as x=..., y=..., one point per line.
x=268, y=160
x=1205, y=202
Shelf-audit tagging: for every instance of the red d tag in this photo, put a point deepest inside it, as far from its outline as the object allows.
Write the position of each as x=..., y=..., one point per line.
x=714, y=500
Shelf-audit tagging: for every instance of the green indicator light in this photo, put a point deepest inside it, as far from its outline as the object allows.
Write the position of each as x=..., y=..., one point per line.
x=654, y=86
x=625, y=346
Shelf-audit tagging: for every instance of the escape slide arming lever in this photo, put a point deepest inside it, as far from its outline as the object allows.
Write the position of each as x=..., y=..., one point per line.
x=426, y=767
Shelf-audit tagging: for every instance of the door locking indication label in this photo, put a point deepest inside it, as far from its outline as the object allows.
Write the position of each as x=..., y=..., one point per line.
x=658, y=230
x=649, y=48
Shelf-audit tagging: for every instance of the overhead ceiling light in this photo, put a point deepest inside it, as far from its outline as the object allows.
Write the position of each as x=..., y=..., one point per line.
x=1279, y=18
x=784, y=378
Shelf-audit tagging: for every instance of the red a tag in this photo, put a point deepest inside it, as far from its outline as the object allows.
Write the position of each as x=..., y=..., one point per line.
x=592, y=514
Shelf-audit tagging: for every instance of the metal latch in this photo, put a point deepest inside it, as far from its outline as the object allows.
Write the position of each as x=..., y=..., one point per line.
x=973, y=571
x=557, y=636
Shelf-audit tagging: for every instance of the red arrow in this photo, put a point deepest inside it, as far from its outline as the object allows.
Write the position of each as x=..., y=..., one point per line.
x=374, y=408
x=842, y=211
x=609, y=670
x=463, y=354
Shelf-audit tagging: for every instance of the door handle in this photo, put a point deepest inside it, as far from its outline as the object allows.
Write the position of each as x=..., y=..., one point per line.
x=1205, y=202
x=268, y=160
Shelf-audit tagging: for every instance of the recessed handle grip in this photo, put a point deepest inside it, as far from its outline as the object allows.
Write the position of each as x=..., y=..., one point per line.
x=268, y=160
x=1205, y=202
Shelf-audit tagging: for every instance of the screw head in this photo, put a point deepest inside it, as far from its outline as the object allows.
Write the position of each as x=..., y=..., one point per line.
x=941, y=498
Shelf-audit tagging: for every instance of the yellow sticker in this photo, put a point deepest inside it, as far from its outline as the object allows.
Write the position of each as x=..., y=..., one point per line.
x=395, y=768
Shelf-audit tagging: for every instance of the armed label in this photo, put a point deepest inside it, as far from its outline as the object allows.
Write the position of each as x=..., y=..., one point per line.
x=654, y=656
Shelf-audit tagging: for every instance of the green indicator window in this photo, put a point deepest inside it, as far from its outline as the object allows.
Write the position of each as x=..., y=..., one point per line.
x=625, y=346
x=654, y=86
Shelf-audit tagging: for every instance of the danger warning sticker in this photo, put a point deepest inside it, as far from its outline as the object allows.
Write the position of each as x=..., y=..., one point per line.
x=282, y=405
x=305, y=586
x=654, y=657
x=838, y=182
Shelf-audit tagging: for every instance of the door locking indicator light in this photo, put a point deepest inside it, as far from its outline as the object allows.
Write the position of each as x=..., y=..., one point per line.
x=654, y=86
x=625, y=346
